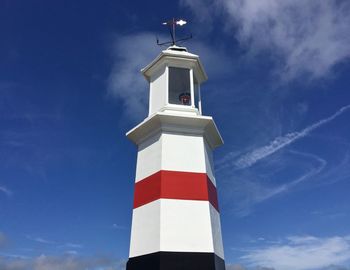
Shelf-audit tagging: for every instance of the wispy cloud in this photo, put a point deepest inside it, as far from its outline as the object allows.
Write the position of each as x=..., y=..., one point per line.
x=250, y=158
x=317, y=169
x=13, y=256
x=125, y=81
x=340, y=171
x=71, y=252
x=70, y=248
x=294, y=170
x=246, y=188
x=312, y=171
x=304, y=37
x=6, y=191
x=301, y=253
x=119, y=227
x=66, y=262
x=234, y=267
x=72, y=245
x=133, y=52
x=40, y=240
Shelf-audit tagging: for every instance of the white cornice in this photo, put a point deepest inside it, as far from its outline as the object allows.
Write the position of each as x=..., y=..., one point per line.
x=168, y=56
x=164, y=122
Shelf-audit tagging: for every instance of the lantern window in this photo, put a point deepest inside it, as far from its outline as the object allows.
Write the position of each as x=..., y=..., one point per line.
x=179, y=86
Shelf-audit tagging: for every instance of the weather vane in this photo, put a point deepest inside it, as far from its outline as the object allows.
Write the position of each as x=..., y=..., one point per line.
x=172, y=29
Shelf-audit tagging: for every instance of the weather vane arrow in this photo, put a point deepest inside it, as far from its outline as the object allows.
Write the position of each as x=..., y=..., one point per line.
x=172, y=28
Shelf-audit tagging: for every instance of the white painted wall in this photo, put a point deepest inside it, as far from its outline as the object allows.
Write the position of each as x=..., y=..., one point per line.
x=174, y=152
x=177, y=226
x=169, y=224
x=183, y=153
x=145, y=229
x=158, y=90
x=185, y=226
x=209, y=162
x=216, y=232
x=149, y=157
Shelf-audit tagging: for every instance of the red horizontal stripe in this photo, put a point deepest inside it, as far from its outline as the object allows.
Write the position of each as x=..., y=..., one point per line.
x=175, y=185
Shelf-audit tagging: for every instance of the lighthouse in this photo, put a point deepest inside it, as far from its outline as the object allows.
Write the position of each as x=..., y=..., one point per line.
x=176, y=217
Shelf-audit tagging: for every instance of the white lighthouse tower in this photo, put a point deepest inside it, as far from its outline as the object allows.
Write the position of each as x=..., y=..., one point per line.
x=176, y=219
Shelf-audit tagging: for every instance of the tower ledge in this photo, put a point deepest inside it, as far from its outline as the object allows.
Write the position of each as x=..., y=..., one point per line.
x=194, y=125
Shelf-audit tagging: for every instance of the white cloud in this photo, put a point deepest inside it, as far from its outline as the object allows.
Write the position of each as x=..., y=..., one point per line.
x=13, y=256
x=14, y=264
x=305, y=37
x=71, y=252
x=249, y=159
x=133, y=52
x=116, y=226
x=40, y=240
x=247, y=188
x=302, y=253
x=70, y=262
x=337, y=267
x=66, y=262
x=6, y=191
x=234, y=267
x=72, y=245
x=339, y=172
x=243, y=189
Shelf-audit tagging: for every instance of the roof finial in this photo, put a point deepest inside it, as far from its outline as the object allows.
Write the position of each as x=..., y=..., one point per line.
x=172, y=28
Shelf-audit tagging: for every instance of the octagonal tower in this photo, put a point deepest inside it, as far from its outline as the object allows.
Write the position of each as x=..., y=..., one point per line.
x=176, y=220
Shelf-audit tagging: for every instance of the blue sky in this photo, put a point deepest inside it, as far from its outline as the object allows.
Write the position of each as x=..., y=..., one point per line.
x=278, y=88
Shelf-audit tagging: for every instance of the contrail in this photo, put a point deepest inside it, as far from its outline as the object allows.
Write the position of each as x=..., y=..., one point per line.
x=254, y=156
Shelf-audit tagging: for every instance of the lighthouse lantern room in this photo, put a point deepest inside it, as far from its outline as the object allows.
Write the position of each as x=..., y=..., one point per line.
x=175, y=77
x=176, y=220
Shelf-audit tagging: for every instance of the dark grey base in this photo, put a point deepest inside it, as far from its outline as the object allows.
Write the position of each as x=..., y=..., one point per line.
x=176, y=261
